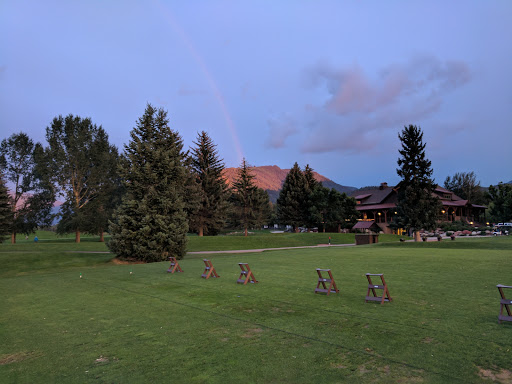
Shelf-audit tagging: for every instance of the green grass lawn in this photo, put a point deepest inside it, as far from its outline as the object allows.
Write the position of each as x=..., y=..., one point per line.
x=150, y=326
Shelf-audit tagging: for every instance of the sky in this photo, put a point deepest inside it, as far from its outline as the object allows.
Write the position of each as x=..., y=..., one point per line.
x=325, y=83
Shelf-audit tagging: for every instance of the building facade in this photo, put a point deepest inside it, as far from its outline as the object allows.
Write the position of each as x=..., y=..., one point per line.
x=379, y=205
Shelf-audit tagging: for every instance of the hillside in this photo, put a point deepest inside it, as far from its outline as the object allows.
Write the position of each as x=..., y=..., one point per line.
x=271, y=179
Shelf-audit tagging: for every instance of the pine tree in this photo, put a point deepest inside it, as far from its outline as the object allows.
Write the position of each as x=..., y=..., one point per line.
x=207, y=167
x=151, y=223
x=292, y=200
x=251, y=205
x=6, y=214
x=316, y=199
x=417, y=206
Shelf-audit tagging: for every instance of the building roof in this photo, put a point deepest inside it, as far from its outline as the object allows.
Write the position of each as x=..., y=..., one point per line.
x=385, y=198
x=374, y=196
x=366, y=225
x=456, y=203
x=361, y=197
x=375, y=207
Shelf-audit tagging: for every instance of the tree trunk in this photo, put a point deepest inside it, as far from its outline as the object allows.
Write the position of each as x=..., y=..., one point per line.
x=200, y=231
x=245, y=231
x=339, y=228
x=77, y=236
x=296, y=229
x=417, y=236
x=13, y=238
x=102, y=240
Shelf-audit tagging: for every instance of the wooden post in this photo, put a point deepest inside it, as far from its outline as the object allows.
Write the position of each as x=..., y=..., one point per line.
x=504, y=304
x=174, y=267
x=372, y=287
x=209, y=270
x=322, y=282
x=246, y=275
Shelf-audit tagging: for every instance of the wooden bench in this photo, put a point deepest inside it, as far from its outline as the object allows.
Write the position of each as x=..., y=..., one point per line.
x=322, y=281
x=174, y=267
x=372, y=288
x=246, y=276
x=209, y=270
x=504, y=304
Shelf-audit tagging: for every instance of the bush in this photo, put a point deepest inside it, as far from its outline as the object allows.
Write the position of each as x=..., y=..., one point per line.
x=455, y=226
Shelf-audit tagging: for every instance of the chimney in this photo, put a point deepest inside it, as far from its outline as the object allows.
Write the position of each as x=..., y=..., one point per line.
x=383, y=185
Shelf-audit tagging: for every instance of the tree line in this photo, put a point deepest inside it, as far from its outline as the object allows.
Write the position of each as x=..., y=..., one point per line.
x=150, y=196
x=154, y=193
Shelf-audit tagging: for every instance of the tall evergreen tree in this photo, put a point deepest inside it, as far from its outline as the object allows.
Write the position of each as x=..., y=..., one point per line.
x=207, y=167
x=251, y=205
x=292, y=200
x=32, y=196
x=6, y=214
x=151, y=223
x=316, y=199
x=77, y=152
x=417, y=206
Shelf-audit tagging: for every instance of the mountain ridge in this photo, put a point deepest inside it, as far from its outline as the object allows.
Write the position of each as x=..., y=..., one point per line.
x=271, y=179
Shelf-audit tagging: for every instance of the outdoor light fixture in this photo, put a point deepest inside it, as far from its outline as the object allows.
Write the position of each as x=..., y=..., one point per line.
x=443, y=211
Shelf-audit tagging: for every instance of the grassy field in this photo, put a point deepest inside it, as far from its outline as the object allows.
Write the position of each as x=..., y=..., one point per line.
x=234, y=241
x=150, y=326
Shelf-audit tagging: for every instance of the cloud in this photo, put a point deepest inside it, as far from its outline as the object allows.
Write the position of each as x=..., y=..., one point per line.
x=359, y=110
x=281, y=127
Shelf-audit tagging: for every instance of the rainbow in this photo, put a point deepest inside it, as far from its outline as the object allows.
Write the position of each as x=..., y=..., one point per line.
x=208, y=76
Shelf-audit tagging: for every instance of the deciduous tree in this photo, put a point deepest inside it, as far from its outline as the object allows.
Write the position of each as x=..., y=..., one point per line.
x=32, y=195
x=5, y=210
x=466, y=186
x=500, y=208
x=80, y=160
x=417, y=206
x=151, y=223
x=341, y=210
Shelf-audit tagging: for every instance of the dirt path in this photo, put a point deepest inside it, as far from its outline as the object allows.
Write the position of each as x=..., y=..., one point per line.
x=268, y=249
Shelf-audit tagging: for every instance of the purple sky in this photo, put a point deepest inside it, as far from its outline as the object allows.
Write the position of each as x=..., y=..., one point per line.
x=328, y=83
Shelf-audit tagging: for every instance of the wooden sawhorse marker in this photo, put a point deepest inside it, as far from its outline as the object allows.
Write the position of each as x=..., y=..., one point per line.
x=209, y=270
x=174, y=267
x=246, y=276
x=323, y=282
x=504, y=303
x=372, y=287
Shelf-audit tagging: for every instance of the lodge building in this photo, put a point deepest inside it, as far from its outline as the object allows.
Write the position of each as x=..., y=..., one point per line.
x=379, y=205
